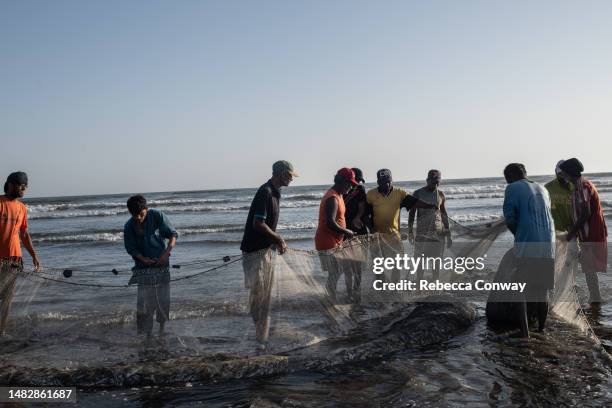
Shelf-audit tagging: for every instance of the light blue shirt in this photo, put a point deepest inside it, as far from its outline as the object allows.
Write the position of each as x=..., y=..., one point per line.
x=527, y=206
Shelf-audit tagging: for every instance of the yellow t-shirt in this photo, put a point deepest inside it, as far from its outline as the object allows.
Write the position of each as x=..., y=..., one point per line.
x=386, y=209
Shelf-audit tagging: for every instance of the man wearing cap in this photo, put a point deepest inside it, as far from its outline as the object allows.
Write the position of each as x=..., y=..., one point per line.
x=359, y=221
x=13, y=231
x=589, y=225
x=561, y=192
x=357, y=216
x=332, y=230
x=259, y=239
x=386, y=202
x=432, y=226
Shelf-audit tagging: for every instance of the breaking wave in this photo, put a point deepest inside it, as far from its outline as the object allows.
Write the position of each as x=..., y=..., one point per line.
x=117, y=234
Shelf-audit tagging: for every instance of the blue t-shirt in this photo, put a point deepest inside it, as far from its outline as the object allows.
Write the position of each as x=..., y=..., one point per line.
x=151, y=241
x=527, y=205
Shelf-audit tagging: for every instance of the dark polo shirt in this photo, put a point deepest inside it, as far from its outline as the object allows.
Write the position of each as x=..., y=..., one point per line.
x=264, y=206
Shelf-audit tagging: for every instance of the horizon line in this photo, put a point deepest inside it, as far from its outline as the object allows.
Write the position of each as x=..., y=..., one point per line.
x=248, y=188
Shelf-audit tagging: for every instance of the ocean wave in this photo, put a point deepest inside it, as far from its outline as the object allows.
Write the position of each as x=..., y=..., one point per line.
x=475, y=217
x=299, y=204
x=51, y=207
x=95, y=237
x=76, y=214
x=599, y=183
x=474, y=196
x=117, y=235
x=450, y=190
x=305, y=197
x=100, y=205
x=59, y=214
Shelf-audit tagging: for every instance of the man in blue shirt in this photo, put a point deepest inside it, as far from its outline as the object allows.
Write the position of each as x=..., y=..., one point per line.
x=144, y=237
x=528, y=217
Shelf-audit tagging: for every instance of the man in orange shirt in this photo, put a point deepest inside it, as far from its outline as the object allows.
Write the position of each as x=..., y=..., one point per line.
x=332, y=230
x=13, y=231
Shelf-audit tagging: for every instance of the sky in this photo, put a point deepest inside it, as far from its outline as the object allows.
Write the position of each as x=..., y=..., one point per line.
x=138, y=96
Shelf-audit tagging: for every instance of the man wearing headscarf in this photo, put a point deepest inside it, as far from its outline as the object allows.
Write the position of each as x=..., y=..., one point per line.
x=589, y=226
x=561, y=192
x=13, y=232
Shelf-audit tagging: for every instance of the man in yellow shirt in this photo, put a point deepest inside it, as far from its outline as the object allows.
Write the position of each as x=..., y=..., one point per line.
x=385, y=204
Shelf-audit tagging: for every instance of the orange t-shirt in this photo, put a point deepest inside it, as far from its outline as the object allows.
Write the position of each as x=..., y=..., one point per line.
x=13, y=219
x=325, y=238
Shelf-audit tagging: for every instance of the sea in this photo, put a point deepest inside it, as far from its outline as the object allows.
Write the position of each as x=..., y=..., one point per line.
x=477, y=368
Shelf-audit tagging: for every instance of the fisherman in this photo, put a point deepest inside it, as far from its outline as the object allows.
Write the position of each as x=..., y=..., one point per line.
x=385, y=204
x=13, y=232
x=561, y=193
x=144, y=236
x=432, y=226
x=589, y=225
x=357, y=216
x=259, y=239
x=332, y=230
x=358, y=220
x=528, y=217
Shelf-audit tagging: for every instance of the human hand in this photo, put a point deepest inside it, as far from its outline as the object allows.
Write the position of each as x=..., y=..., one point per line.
x=36, y=263
x=148, y=261
x=282, y=246
x=163, y=259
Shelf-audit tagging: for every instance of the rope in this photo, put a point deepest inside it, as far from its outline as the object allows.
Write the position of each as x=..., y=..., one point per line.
x=225, y=258
x=33, y=274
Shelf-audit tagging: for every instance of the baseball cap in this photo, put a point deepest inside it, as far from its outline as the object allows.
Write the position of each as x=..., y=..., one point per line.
x=358, y=174
x=348, y=174
x=283, y=166
x=18, y=177
x=431, y=174
x=383, y=173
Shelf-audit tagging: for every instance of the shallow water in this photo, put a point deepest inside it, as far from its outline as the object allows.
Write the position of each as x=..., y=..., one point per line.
x=480, y=367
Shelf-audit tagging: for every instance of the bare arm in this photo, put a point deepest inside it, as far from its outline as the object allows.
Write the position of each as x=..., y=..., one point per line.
x=445, y=222
x=260, y=226
x=361, y=211
x=444, y=214
x=27, y=243
x=331, y=210
x=411, y=216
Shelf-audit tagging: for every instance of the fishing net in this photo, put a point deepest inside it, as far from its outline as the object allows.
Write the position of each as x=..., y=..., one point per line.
x=70, y=320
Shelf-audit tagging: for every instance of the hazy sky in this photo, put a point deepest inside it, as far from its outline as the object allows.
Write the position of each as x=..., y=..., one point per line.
x=130, y=96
